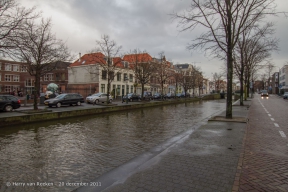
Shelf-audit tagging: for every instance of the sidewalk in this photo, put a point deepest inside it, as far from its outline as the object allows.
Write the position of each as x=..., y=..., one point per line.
x=206, y=160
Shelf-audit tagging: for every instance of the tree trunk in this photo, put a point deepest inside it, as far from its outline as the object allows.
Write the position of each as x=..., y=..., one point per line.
x=229, y=63
x=36, y=91
x=108, y=90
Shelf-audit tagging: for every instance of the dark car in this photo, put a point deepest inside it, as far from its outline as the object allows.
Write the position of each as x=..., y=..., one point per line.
x=9, y=102
x=159, y=96
x=285, y=95
x=170, y=95
x=131, y=97
x=182, y=95
x=264, y=93
x=147, y=95
x=65, y=99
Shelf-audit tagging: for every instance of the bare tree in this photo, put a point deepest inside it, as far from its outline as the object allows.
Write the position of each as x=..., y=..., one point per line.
x=143, y=67
x=253, y=47
x=39, y=48
x=12, y=18
x=108, y=62
x=225, y=21
x=217, y=79
x=163, y=71
x=186, y=80
x=269, y=68
x=176, y=76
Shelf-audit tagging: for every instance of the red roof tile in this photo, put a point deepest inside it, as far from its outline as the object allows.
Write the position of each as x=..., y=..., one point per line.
x=141, y=57
x=90, y=58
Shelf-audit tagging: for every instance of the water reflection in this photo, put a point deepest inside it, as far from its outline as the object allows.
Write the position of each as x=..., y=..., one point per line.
x=81, y=149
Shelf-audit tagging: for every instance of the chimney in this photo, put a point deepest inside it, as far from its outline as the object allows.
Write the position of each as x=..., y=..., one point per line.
x=79, y=57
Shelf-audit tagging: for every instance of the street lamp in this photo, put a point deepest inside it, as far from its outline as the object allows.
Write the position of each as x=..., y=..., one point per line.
x=126, y=80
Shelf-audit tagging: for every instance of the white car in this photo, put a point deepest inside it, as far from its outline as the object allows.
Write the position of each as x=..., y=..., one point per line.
x=98, y=98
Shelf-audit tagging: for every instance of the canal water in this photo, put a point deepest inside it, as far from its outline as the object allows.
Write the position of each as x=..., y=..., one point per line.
x=53, y=156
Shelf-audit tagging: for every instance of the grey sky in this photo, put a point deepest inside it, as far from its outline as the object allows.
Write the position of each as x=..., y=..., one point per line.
x=145, y=25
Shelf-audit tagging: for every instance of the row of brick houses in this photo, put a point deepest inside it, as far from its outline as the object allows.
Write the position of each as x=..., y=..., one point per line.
x=14, y=78
x=83, y=76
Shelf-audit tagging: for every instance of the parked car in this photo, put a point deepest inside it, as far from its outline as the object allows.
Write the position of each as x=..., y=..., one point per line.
x=170, y=95
x=264, y=93
x=131, y=97
x=182, y=95
x=98, y=98
x=147, y=95
x=159, y=96
x=65, y=99
x=9, y=102
x=285, y=95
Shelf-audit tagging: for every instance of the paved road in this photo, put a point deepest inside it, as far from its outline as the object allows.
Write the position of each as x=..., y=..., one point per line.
x=265, y=157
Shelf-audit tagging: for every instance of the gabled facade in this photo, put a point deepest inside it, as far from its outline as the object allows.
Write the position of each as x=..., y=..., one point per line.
x=86, y=76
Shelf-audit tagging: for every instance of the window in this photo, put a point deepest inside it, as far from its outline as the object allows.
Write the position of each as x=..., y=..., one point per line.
x=63, y=76
x=103, y=88
x=104, y=74
x=131, y=78
x=8, y=88
x=45, y=77
x=125, y=77
x=131, y=88
x=57, y=77
x=48, y=77
x=8, y=67
x=126, y=64
x=0, y=66
x=118, y=76
x=8, y=77
x=29, y=83
x=16, y=78
x=23, y=68
x=15, y=67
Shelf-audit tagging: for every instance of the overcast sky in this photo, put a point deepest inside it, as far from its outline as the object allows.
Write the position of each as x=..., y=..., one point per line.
x=145, y=25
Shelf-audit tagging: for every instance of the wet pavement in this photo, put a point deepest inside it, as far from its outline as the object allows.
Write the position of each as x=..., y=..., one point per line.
x=205, y=156
x=265, y=157
x=82, y=149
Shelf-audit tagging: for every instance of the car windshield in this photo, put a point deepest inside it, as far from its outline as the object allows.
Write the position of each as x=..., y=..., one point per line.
x=60, y=96
x=264, y=91
x=97, y=94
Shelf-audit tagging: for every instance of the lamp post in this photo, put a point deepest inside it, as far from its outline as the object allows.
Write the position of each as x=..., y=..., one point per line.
x=126, y=80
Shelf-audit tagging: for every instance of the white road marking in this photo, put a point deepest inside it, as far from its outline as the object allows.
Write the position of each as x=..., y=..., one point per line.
x=282, y=134
x=269, y=115
x=272, y=119
x=276, y=125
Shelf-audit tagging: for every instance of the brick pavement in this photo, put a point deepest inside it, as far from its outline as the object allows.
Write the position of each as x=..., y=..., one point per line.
x=265, y=158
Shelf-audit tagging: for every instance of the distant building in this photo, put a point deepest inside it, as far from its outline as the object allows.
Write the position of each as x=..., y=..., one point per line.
x=275, y=83
x=283, y=79
x=14, y=77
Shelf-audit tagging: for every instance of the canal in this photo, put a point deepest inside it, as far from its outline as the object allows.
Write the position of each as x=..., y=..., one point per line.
x=81, y=149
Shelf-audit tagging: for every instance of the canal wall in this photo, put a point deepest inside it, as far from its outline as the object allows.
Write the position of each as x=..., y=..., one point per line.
x=45, y=115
